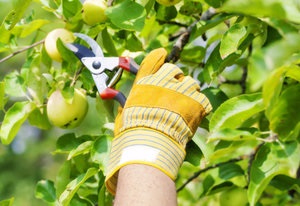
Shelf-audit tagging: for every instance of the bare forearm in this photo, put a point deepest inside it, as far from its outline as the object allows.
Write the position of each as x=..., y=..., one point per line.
x=144, y=185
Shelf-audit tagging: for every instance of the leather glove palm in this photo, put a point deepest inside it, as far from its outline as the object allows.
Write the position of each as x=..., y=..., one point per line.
x=162, y=113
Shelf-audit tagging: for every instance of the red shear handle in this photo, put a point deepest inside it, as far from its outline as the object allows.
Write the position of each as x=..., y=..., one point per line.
x=110, y=93
x=128, y=64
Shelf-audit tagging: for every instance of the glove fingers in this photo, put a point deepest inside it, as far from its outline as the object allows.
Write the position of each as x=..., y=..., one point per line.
x=168, y=72
x=153, y=61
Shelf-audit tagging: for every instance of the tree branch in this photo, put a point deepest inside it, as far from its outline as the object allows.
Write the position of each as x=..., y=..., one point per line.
x=172, y=23
x=21, y=50
x=196, y=174
x=183, y=39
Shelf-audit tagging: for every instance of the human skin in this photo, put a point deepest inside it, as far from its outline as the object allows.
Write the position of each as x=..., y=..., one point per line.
x=140, y=184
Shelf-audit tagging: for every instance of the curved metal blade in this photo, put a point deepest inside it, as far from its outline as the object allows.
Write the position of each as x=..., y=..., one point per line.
x=92, y=43
x=80, y=51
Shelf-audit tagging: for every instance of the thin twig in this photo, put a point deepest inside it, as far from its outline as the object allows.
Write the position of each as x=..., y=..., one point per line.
x=196, y=174
x=172, y=23
x=21, y=50
x=183, y=39
x=76, y=76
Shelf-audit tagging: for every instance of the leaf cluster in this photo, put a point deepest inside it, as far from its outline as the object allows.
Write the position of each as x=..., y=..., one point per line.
x=245, y=55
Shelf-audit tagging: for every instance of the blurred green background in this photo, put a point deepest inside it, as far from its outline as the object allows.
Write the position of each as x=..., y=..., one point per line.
x=30, y=157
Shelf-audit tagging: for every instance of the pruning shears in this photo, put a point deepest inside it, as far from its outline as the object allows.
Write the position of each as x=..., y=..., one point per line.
x=106, y=71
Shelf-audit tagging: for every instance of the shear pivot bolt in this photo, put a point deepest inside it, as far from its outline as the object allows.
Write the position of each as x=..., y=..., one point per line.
x=96, y=64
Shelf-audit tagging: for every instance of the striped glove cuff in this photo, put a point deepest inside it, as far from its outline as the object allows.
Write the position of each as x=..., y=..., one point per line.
x=144, y=146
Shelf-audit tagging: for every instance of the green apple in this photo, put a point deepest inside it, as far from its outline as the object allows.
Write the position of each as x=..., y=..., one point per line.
x=67, y=115
x=51, y=39
x=234, y=197
x=93, y=12
x=168, y=2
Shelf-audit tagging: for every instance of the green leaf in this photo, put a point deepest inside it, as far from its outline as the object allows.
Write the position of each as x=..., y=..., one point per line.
x=284, y=183
x=285, y=117
x=23, y=31
x=108, y=43
x=231, y=135
x=193, y=153
x=216, y=64
x=13, y=119
x=271, y=160
x=16, y=14
x=202, y=26
x=232, y=113
x=83, y=148
x=101, y=196
x=133, y=43
x=232, y=39
x=132, y=18
x=45, y=190
x=191, y=8
x=63, y=177
x=68, y=93
x=200, y=139
x=45, y=59
x=34, y=81
x=38, y=118
x=50, y=5
x=281, y=53
x=7, y=202
x=74, y=185
x=67, y=55
x=272, y=88
x=286, y=10
x=216, y=97
x=100, y=151
x=215, y=3
x=166, y=13
x=294, y=73
x=81, y=201
x=2, y=95
x=14, y=84
x=282, y=26
x=230, y=170
x=276, y=55
x=227, y=150
x=192, y=54
x=68, y=142
x=71, y=7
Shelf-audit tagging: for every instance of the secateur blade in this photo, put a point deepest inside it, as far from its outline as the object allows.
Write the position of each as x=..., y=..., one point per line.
x=96, y=49
x=80, y=51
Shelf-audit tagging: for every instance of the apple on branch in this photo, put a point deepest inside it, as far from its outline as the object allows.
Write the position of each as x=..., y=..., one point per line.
x=50, y=42
x=64, y=114
x=93, y=12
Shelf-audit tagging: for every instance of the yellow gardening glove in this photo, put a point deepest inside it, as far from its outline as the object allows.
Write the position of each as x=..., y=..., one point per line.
x=161, y=114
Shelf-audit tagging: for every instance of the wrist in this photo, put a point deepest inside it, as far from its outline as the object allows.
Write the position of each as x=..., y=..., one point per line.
x=144, y=146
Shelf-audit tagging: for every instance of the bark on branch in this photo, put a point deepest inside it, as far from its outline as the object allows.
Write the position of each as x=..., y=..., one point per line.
x=21, y=50
x=183, y=39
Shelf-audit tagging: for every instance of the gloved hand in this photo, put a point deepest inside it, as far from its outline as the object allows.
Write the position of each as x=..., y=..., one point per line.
x=161, y=114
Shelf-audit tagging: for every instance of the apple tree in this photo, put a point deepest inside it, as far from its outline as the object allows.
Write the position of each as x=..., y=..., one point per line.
x=244, y=53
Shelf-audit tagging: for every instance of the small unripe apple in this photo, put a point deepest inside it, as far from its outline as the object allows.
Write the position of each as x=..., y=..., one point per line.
x=168, y=2
x=234, y=197
x=93, y=12
x=50, y=42
x=67, y=115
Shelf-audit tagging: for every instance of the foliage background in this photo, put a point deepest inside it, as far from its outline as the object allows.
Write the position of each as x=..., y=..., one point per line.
x=245, y=55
